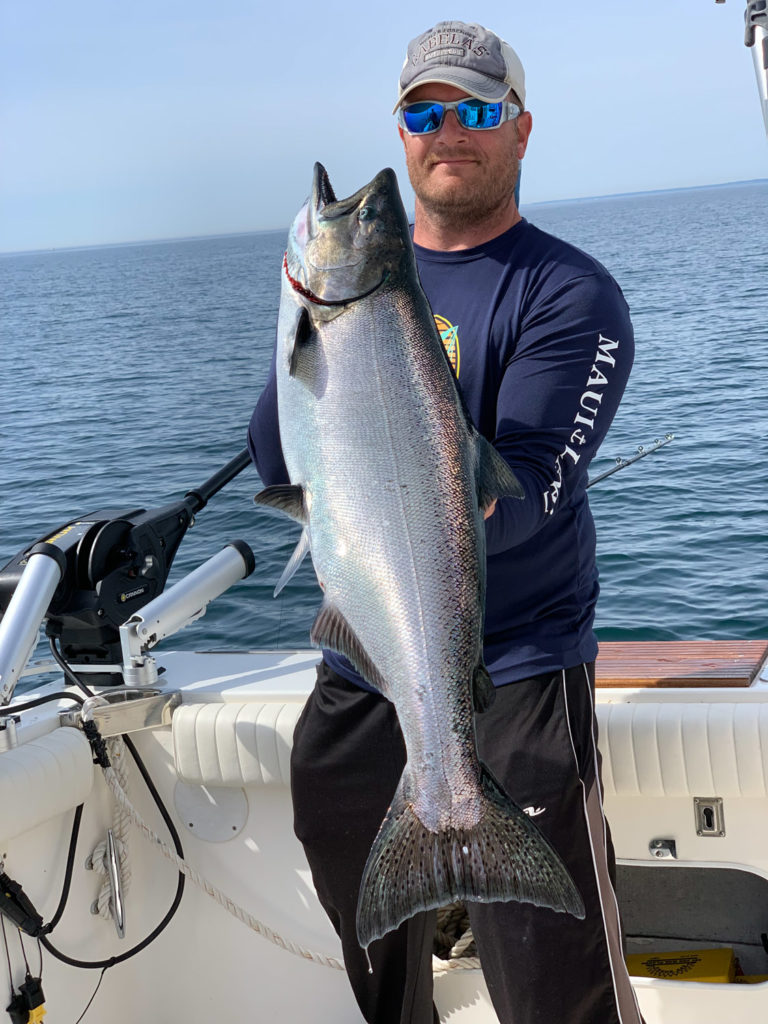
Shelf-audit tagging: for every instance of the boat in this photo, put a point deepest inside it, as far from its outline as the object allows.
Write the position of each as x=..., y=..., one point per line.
x=179, y=763
x=148, y=867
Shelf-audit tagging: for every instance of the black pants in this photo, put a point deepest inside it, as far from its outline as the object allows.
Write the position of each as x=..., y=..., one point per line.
x=539, y=741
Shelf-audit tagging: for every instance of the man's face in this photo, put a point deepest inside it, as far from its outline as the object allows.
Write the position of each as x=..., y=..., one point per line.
x=459, y=175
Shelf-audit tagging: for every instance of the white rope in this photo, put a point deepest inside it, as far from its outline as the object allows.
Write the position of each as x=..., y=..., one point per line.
x=120, y=823
x=467, y=963
x=212, y=890
x=438, y=966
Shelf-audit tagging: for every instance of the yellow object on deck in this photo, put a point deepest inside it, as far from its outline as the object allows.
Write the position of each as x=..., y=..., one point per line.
x=716, y=965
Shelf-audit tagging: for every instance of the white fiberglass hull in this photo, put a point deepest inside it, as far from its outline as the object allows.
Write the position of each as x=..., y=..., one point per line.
x=222, y=768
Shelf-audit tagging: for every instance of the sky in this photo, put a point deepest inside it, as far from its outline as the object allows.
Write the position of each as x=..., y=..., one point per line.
x=178, y=118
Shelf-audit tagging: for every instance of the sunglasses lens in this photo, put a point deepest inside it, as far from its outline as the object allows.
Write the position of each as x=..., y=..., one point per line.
x=478, y=114
x=421, y=118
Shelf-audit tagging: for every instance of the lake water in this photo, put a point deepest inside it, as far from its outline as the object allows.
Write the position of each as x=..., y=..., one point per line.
x=130, y=372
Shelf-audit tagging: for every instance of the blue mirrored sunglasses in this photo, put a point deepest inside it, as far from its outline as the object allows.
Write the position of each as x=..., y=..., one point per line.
x=477, y=115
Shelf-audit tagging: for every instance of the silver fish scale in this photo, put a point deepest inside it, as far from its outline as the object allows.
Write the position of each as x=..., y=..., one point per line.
x=375, y=436
x=373, y=428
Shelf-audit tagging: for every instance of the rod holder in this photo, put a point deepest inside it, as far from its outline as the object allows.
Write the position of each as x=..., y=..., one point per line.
x=25, y=613
x=177, y=607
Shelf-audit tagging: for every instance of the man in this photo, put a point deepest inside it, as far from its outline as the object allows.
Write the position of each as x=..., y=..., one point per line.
x=540, y=338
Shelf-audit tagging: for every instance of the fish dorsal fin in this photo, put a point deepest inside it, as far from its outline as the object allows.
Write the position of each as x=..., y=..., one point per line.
x=298, y=556
x=288, y=498
x=331, y=629
x=493, y=476
x=302, y=336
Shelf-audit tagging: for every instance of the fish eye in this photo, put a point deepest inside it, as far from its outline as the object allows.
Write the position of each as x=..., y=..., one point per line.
x=366, y=213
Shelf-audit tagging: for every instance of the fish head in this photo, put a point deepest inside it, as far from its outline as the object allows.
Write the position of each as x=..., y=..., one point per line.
x=343, y=250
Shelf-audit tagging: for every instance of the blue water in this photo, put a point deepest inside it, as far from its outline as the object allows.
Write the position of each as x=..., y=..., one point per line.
x=129, y=374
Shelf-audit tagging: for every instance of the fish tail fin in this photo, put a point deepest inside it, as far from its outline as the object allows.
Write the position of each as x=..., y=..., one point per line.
x=504, y=857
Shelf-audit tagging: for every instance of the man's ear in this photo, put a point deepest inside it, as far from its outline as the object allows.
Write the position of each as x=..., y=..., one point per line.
x=524, y=126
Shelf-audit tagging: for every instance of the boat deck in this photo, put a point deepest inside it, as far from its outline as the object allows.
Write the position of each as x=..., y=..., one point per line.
x=679, y=663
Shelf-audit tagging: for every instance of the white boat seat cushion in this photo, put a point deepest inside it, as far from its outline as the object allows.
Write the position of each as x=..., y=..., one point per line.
x=234, y=744
x=42, y=779
x=648, y=749
x=684, y=749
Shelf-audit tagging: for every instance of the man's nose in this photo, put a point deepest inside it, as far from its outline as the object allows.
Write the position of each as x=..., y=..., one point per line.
x=452, y=126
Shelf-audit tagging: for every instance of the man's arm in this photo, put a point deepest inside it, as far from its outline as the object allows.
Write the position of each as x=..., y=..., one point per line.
x=264, y=435
x=557, y=399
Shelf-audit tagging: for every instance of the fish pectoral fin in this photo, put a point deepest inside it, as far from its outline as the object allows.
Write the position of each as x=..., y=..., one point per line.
x=483, y=690
x=503, y=857
x=330, y=629
x=302, y=336
x=494, y=478
x=288, y=498
x=298, y=556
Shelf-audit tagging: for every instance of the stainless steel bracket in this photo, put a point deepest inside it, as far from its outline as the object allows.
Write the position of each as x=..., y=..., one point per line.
x=8, y=738
x=125, y=709
x=663, y=849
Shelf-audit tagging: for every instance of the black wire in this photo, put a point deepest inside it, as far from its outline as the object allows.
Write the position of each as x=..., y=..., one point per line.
x=68, y=871
x=105, y=964
x=26, y=706
x=156, y=797
x=129, y=744
x=70, y=675
x=24, y=952
x=111, y=961
x=7, y=950
x=37, y=701
x=90, y=1001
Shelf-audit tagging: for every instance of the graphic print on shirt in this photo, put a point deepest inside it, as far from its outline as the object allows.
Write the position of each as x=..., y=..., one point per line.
x=449, y=336
x=589, y=403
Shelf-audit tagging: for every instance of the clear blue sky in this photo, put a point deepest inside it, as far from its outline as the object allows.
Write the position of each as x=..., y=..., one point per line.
x=170, y=118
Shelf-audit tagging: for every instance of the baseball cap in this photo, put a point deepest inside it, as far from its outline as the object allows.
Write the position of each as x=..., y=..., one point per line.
x=467, y=56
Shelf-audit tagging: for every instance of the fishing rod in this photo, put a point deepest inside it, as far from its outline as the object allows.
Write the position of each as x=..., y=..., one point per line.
x=642, y=451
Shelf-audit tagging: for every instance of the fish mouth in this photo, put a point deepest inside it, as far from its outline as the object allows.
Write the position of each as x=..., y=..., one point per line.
x=323, y=202
x=322, y=190
x=324, y=205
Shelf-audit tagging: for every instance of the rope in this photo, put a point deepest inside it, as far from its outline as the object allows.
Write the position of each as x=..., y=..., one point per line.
x=467, y=963
x=120, y=822
x=113, y=781
x=214, y=892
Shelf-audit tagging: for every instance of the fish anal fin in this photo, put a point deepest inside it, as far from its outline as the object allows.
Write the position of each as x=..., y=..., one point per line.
x=298, y=556
x=330, y=629
x=288, y=498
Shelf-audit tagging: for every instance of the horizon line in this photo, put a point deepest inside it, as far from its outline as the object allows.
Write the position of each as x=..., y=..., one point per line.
x=268, y=231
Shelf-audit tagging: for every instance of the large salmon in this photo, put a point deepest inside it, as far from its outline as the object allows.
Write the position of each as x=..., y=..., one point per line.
x=390, y=479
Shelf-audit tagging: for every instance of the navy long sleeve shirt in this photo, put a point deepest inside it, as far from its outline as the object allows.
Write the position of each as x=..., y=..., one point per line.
x=540, y=338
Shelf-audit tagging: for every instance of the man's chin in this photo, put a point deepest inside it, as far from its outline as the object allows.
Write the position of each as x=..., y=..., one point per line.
x=460, y=207
x=447, y=190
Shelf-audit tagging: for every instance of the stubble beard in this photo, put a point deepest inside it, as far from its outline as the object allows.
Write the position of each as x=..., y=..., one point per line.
x=458, y=204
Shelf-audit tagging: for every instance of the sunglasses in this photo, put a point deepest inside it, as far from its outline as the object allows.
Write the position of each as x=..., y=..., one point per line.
x=477, y=115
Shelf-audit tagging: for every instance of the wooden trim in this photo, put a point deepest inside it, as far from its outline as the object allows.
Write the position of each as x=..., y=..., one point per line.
x=679, y=662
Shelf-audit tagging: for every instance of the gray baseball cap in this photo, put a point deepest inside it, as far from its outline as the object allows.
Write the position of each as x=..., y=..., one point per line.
x=469, y=57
